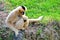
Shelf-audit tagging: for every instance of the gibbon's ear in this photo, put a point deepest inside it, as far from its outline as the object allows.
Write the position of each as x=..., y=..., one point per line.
x=24, y=8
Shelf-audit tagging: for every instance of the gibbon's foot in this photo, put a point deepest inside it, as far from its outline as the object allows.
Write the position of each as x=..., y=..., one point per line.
x=37, y=20
x=40, y=18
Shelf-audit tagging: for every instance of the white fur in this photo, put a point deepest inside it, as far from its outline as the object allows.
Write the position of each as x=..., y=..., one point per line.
x=19, y=22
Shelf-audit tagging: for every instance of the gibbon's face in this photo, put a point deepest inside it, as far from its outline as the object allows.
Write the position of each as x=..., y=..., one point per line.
x=22, y=10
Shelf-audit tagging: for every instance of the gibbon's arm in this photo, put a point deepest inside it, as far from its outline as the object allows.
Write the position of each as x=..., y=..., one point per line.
x=35, y=20
x=8, y=21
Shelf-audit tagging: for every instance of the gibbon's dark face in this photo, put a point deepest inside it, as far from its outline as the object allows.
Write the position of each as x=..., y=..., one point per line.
x=22, y=10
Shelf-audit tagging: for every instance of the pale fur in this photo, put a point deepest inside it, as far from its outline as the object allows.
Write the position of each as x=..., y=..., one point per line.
x=20, y=24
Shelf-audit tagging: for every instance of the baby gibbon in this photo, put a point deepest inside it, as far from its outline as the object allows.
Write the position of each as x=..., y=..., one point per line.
x=18, y=20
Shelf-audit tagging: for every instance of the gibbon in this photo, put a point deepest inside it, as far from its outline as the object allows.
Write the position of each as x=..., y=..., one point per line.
x=17, y=20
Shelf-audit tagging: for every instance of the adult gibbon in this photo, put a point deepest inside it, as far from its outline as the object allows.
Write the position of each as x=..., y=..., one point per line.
x=17, y=20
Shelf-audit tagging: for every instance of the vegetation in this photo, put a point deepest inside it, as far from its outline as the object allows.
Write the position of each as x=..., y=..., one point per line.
x=50, y=9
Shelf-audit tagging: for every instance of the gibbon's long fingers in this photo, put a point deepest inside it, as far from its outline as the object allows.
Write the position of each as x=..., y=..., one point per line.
x=35, y=20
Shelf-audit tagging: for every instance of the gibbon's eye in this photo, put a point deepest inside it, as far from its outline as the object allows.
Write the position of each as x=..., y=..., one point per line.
x=22, y=13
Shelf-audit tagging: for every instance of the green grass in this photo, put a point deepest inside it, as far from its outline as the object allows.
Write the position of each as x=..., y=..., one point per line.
x=50, y=9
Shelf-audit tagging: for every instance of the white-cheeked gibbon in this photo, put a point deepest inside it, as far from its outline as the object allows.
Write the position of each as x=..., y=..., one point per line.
x=18, y=20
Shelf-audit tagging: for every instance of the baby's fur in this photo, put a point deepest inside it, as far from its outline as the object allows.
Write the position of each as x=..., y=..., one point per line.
x=16, y=20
